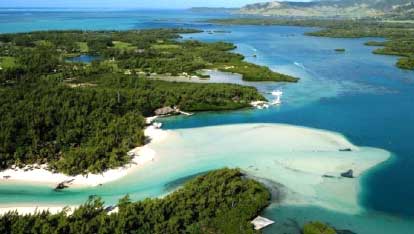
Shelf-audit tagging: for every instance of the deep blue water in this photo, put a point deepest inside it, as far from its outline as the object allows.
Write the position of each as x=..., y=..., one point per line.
x=359, y=94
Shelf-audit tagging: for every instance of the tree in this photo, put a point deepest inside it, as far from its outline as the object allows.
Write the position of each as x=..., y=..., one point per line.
x=317, y=228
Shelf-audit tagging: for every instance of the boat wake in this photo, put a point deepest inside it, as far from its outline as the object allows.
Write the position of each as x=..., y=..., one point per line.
x=265, y=105
x=278, y=94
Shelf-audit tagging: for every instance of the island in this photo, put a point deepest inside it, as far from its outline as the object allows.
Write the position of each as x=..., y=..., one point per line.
x=85, y=146
x=399, y=34
x=79, y=117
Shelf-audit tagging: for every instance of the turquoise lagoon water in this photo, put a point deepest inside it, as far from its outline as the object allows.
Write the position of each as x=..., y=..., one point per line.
x=12, y=20
x=358, y=94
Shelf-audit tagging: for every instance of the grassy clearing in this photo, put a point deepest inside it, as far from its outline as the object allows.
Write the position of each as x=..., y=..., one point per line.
x=43, y=43
x=7, y=62
x=165, y=46
x=124, y=45
x=83, y=47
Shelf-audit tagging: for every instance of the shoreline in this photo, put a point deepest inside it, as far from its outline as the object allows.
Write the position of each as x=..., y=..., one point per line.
x=41, y=176
x=307, y=162
x=27, y=209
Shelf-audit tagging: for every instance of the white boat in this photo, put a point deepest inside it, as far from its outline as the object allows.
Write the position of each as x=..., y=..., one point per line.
x=278, y=94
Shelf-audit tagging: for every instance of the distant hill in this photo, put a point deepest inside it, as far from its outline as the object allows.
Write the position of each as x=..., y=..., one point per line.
x=334, y=8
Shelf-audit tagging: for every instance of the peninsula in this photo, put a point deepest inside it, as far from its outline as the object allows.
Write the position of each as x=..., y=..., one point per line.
x=82, y=116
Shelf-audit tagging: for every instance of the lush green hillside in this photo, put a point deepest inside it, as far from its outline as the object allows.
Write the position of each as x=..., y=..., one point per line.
x=222, y=201
x=333, y=8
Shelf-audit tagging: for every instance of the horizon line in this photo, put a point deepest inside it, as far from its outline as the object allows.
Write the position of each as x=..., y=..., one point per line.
x=126, y=8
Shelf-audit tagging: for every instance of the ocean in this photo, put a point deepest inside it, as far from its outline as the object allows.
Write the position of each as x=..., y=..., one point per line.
x=357, y=94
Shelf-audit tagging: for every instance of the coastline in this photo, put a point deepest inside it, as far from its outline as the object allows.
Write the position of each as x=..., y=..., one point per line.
x=307, y=162
x=41, y=176
x=27, y=210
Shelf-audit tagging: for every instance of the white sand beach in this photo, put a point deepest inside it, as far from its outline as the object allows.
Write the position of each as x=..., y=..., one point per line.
x=38, y=174
x=308, y=162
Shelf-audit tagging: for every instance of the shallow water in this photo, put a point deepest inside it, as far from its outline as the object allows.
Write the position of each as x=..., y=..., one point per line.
x=294, y=156
x=288, y=218
x=356, y=93
x=359, y=94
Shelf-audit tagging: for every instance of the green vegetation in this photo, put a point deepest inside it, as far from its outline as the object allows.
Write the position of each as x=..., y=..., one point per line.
x=123, y=45
x=89, y=126
x=80, y=118
x=165, y=46
x=399, y=35
x=406, y=63
x=317, y=228
x=83, y=47
x=132, y=52
x=253, y=72
x=333, y=9
x=375, y=43
x=222, y=201
x=74, y=130
x=7, y=62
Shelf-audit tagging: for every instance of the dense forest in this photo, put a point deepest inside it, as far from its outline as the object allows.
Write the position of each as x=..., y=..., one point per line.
x=82, y=117
x=399, y=35
x=221, y=201
x=145, y=52
x=80, y=129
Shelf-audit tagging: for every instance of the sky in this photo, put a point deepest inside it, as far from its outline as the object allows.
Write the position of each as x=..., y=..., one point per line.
x=126, y=3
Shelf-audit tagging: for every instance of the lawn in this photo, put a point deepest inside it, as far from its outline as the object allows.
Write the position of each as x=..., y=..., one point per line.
x=83, y=46
x=124, y=45
x=165, y=46
x=7, y=62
